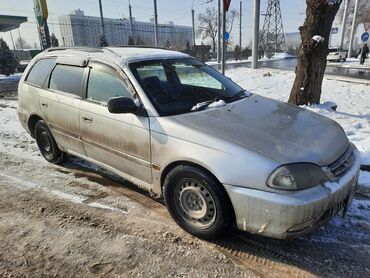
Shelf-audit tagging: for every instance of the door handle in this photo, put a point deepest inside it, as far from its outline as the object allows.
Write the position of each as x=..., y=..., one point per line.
x=88, y=120
x=45, y=105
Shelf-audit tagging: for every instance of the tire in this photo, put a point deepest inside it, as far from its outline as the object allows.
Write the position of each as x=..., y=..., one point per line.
x=46, y=143
x=197, y=201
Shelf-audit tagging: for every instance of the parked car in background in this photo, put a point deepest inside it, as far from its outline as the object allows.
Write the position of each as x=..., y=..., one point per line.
x=218, y=154
x=337, y=55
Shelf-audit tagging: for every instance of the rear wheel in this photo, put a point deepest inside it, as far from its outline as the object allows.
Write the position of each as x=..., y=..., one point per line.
x=196, y=201
x=46, y=143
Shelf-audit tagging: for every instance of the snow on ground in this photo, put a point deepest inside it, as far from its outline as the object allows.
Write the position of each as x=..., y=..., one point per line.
x=13, y=139
x=13, y=77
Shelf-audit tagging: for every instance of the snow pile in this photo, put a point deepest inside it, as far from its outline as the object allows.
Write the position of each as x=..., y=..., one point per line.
x=328, y=105
x=217, y=104
x=318, y=39
x=332, y=2
x=209, y=104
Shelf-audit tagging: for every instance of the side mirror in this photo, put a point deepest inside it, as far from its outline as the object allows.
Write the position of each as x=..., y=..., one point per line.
x=122, y=105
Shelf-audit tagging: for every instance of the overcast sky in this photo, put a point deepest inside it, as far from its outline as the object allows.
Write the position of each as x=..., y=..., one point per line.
x=178, y=11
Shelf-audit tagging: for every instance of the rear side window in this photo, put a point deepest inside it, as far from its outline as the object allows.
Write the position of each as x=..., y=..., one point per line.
x=40, y=71
x=67, y=79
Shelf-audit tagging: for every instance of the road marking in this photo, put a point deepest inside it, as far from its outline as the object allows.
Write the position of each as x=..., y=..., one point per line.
x=77, y=199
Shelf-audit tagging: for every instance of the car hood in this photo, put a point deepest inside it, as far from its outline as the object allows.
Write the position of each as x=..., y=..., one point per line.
x=283, y=132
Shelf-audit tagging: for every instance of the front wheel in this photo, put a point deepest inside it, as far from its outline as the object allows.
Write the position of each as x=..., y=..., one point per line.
x=46, y=143
x=196, y=201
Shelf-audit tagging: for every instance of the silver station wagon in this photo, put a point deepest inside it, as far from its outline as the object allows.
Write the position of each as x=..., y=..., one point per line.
x=218, y=154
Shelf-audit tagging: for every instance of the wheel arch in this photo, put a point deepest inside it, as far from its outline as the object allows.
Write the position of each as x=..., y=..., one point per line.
x=174, y=164
x=32, y=120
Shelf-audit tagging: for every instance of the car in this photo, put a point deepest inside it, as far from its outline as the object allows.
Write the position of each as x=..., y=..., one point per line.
x=220, y=156
x=337, y=55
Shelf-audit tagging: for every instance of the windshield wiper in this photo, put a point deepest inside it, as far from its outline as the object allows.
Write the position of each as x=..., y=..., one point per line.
x=236, y=96
x=203, y=105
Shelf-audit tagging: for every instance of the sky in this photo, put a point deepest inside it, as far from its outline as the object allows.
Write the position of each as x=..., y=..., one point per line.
x=178, y=11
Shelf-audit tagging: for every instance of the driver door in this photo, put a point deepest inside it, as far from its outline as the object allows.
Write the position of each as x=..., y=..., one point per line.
x=121, y=141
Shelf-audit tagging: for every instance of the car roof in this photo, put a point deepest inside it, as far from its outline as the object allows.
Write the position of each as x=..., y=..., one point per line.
x=125, y=54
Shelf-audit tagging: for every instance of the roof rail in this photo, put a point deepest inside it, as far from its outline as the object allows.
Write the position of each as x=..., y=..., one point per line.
x=88, y=49
x=138, y=46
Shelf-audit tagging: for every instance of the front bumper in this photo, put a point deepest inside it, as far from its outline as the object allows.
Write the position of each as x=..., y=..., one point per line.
x=292, y=213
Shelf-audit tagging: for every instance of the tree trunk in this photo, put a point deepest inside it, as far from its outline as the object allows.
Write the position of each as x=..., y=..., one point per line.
x=313, y=51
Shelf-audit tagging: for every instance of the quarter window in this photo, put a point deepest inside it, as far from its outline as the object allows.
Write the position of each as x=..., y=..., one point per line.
x=104, y=85
x=67, y=79
x=40, y=72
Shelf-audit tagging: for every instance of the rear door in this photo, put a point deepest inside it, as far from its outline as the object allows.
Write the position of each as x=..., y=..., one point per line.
x=60, y=106
x=121, y=141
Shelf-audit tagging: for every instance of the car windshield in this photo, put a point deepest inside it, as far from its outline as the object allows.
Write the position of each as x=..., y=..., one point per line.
x=332, y=50
x=184, y=85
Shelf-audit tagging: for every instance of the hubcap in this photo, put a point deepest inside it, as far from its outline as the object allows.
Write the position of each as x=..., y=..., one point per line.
x=195, y=203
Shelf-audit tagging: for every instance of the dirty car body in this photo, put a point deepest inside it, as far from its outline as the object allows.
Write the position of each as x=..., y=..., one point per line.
x=272, y=168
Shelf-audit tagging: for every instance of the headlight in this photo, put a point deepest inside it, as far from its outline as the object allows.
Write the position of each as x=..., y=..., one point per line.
x=296, y=176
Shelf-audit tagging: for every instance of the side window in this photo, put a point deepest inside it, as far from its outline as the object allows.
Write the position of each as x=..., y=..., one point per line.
x=147, y=71
x=40, y=72
x=104, y=85
x=67, y=79
x=190, y=75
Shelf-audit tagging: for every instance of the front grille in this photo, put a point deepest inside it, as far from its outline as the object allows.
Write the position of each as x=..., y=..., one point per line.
x=341, y=166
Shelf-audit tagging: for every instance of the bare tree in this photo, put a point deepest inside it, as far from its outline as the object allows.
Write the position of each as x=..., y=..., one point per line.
x=207, y=24
x=21, y=44
x=313, y=51
x=230, y=19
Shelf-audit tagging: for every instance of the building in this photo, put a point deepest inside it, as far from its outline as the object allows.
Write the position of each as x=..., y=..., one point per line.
x=80, y=30
x=292, y=40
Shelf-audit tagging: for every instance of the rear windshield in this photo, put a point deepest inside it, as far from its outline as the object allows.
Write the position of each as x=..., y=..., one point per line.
x=40, y=71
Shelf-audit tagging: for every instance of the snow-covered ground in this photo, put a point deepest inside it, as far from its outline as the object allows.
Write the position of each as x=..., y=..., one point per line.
x=13, y=77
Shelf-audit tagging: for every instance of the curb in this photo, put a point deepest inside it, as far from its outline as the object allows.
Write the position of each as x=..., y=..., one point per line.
x=354, y=67
x=348, y=79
